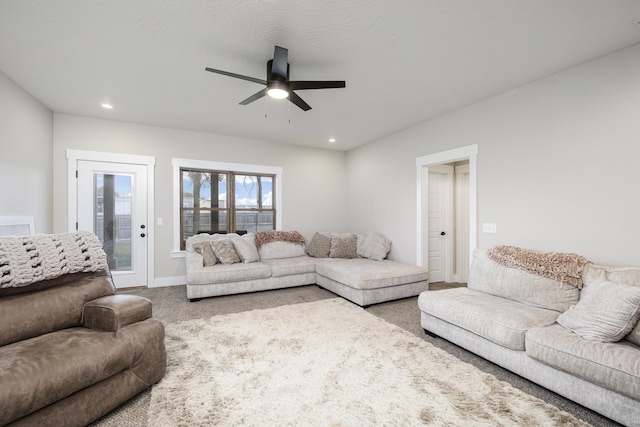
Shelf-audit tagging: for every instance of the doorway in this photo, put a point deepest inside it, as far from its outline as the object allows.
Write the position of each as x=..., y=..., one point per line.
x=111, y=199
x=446, y=227
x=440, y=227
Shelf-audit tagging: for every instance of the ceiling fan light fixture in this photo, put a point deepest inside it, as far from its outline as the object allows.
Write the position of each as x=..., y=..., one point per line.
x=278, y=91
x=278, y=85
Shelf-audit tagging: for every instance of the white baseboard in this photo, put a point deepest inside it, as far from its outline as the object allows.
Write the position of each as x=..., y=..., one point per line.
x=160, y=282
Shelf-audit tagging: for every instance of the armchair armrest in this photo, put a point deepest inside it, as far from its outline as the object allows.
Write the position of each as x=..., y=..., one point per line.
x=113, y=312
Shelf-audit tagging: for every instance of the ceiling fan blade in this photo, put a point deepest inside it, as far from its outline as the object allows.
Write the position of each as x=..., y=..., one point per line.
x=301, y=85
x=279, y=65
x=237, y=76
x=295, y=99
x=254, y=97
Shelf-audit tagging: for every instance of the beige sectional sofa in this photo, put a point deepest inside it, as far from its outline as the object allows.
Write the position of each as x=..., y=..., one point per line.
x=583, y=344
x=352, y=266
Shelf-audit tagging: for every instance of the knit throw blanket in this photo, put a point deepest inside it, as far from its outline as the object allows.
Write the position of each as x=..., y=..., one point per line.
x=30, y=259
x=264, y=237
x=563, y=267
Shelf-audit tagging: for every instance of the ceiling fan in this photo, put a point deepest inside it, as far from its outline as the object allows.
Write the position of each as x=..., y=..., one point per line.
x=278, y=84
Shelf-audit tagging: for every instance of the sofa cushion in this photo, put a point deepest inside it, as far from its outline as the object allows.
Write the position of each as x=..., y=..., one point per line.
x=225, y=251
x=223, y=273
x=320, y=245
x=39, y=371
x=208, y=256
x=290, y=266
x=246, y=248
x=343, y=245
x=625, y=275
x=361, y=273
x=606, y=312
x=612, y=366
x=500, y=320
x=373, y=246
x=489, y=277
x=278, y=249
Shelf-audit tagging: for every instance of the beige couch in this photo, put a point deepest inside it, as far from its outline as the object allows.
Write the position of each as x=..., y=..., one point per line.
x=70, y=349
x=348, y=265
x=513, y=318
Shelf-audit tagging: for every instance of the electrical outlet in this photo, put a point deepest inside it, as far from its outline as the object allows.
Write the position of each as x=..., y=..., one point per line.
x=489, y=228
x=159, y=221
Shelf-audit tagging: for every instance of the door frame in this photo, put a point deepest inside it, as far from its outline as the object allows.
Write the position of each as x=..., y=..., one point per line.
x=469, y=152
x=73, y=156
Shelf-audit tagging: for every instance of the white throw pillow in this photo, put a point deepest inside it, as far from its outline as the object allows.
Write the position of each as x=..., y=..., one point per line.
x=606, y=312
x=246, y=248
x=373, y=246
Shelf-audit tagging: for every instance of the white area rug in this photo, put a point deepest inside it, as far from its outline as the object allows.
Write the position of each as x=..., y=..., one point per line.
x=327, y=363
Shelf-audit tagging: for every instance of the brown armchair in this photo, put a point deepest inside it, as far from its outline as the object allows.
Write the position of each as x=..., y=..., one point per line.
x=71, y=350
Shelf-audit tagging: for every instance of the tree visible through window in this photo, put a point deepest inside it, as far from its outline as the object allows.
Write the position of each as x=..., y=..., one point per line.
x=210, y=205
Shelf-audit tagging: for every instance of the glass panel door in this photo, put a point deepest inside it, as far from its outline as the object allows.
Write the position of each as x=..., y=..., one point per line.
x=112, y=203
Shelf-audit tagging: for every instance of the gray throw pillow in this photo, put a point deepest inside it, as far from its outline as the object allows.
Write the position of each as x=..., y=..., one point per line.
x=606, y=312
x=246, y=248
x=208, y=256
x=225, y=251
x=343, y=245
x=320, y=245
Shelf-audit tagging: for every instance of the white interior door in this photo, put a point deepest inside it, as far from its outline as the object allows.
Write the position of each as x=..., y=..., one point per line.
x=439, y=223
x=112, y=203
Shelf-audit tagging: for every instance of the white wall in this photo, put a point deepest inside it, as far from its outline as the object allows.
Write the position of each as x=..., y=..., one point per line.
x=26, y=146
x=557, y=165
x=314, y=194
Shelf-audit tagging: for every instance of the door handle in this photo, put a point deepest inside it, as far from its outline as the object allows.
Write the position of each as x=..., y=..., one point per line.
x=142, y=235
x=442, y=233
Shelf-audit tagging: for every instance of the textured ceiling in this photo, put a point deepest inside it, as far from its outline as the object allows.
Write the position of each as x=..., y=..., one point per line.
x=404, y=61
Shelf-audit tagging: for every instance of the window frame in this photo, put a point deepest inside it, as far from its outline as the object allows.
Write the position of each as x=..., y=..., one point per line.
x=236, y=168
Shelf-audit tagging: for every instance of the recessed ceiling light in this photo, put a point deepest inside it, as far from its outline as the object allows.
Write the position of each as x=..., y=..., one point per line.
x=332, y=140
x=107, y=106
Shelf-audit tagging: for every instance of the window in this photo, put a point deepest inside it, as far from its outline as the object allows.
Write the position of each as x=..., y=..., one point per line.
x=235, y=199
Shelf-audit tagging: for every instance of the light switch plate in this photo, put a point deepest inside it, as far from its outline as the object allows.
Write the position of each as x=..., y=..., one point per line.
x=489, y=228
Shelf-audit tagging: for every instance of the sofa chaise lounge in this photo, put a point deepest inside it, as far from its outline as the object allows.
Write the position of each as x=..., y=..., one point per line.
x=71, y=350
x=349, y=265
x=583, y=344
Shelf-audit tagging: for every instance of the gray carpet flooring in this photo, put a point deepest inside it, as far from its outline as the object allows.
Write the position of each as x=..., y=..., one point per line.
x=170, y=305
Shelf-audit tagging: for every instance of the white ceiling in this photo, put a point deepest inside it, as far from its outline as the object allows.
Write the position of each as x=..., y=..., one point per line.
x=404, y=61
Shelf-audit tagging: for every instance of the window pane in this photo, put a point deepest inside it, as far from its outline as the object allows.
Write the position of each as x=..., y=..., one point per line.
x=204, y=221
x=112, y=221
x=265, y=221
x=196, y=189
x=247, y=221
x=221, y=189
x=267, y=192
x=246, y=189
